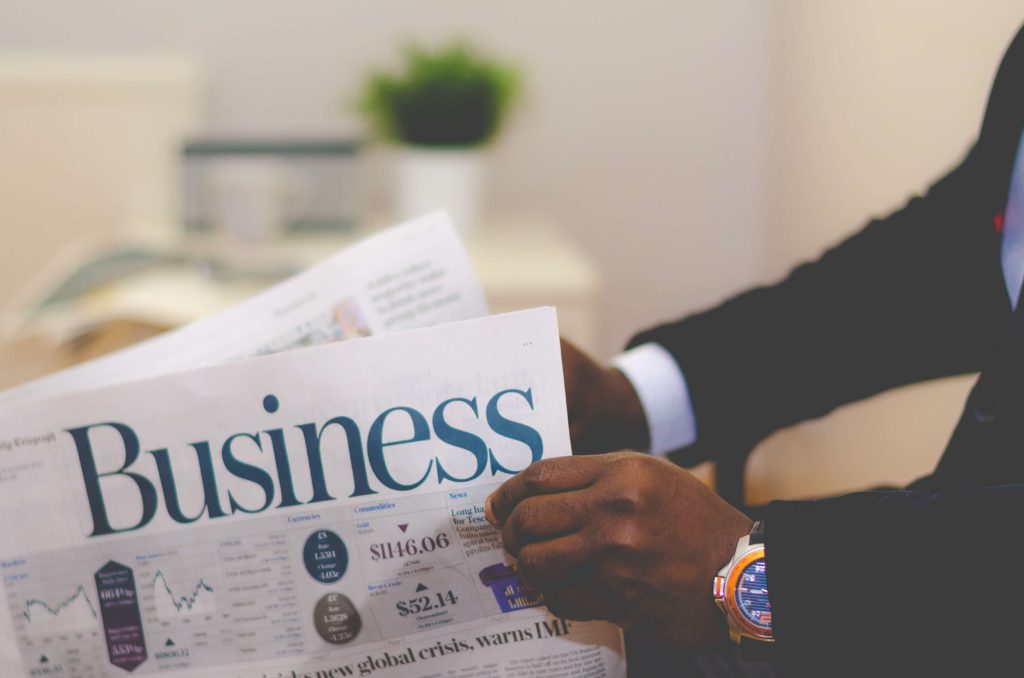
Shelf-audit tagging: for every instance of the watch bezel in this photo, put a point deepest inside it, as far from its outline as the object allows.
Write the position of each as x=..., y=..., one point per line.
x=753, y=554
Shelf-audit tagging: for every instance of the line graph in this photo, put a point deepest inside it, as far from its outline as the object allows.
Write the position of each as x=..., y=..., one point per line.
x=75, y=612
x=170, y=605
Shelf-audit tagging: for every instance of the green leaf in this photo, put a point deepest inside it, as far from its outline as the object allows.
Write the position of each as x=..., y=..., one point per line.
x=453, y=96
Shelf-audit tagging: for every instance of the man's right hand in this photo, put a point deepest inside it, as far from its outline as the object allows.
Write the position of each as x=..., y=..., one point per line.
x=605, y=413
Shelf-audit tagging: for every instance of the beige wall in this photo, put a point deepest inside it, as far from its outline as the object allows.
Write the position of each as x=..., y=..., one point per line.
x=89, y=150
x=692, y=147
x=871, y=101
x=641, y=131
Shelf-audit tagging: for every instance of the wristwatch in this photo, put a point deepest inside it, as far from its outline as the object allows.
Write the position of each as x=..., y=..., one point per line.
x=741, y=591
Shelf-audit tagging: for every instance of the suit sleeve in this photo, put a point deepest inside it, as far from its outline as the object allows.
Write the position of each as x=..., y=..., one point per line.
x=898, y=583
x=914, y=296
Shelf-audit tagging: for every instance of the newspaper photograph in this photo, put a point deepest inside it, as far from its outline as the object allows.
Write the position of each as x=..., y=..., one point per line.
x=315, y=512
x=412, y=275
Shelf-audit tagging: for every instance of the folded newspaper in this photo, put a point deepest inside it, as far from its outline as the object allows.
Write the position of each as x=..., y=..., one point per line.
x=182, y=509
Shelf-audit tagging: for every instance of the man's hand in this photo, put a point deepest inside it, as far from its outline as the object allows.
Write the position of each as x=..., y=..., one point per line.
x=625, y=537
x=604, y=411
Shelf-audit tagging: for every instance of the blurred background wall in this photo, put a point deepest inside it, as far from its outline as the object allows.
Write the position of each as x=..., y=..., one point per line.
x=642, y=132
x=870, y=102
x=692, y=148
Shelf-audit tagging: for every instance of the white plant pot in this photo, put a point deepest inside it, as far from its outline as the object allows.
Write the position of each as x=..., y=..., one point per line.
x=441, y=179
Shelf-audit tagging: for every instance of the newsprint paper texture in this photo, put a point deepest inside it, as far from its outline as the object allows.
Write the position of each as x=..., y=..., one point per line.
x=413, y=275
x=316, y=512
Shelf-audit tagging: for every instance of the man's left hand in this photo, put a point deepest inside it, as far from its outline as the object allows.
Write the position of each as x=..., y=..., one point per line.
x=625, y=537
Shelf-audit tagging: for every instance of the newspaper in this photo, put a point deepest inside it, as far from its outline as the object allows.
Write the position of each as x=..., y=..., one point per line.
x=318, y=512
x=311, y=513
x=412, y=275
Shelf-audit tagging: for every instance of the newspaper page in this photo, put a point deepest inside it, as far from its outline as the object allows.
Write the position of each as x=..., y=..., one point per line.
x=413, y=275
x=313, y=513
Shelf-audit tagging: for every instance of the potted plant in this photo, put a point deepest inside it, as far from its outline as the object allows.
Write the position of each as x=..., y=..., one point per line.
x=442, y=107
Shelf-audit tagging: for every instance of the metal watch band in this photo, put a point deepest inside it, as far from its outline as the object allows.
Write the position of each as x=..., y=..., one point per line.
x=757, y=532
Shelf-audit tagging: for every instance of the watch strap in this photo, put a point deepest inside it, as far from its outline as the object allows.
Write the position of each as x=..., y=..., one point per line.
x=754, y=650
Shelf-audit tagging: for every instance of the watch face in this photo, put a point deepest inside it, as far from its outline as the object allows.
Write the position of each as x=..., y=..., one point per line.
x=752, y=595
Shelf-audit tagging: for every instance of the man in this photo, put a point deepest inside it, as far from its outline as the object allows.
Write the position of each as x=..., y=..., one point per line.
x=922, y=581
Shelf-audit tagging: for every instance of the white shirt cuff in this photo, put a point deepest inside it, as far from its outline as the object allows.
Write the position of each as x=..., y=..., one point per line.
x=661, y=385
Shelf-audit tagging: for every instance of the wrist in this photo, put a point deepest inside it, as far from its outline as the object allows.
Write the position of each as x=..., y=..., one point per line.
x=736, y=529
x=624, y=413
x=659, y=386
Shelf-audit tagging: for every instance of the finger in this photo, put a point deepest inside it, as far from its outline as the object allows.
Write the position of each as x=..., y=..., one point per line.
x=544, y=517
x=552, y=563
x=546, y=476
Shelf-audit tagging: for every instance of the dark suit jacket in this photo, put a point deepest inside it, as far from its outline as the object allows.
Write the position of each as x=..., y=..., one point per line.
x=903, y=583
